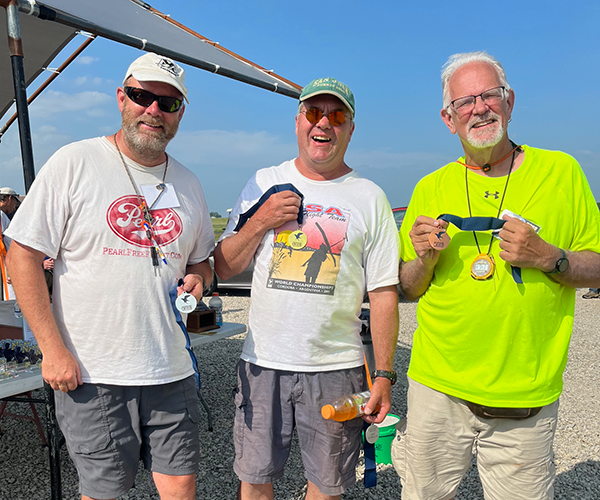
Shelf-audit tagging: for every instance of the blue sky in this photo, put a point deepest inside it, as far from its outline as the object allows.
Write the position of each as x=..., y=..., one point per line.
x=390, y=54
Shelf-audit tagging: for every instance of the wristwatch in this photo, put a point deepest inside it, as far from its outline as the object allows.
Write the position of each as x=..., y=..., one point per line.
x=562, y=264
x=391, y=376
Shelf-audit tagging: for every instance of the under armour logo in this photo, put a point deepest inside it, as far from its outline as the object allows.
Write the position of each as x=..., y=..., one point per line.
x=495, y=195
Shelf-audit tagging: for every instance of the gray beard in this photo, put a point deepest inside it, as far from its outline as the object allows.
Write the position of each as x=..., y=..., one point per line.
x=150, y=148
x=490, y=141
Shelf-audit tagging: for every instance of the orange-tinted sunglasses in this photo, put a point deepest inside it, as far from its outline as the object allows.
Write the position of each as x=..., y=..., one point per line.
x=314, y=115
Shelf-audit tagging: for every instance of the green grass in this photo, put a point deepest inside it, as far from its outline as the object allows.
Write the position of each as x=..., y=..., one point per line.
x=219, y=226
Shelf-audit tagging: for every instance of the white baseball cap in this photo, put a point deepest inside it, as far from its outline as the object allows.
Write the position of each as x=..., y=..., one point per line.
x=8, y=191
x=154, y=68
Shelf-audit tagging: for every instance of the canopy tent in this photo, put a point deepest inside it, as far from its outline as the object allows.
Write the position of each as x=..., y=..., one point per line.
x=46, y=26
x=40, y=46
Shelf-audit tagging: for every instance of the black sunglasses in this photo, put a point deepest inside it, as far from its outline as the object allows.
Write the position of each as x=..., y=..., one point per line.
x=144, y=98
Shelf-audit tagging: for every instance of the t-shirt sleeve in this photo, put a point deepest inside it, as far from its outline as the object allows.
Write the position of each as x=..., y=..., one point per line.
x=40, y=221
x=586, y=216
x=381, y=249
x=247, y=198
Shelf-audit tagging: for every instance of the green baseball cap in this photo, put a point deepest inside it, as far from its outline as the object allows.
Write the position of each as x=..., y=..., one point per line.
x=332, y=87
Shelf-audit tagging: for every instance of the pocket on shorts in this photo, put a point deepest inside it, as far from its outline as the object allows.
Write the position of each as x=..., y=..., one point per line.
x=88, y=445
x=82, y=417
x=191, y=399
x=239, y=422
x=90, y=442
x=399, y=449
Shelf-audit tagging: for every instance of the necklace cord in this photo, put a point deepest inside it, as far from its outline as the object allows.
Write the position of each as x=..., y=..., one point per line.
x=155, y=250
x=512, y=162
x=487, y=167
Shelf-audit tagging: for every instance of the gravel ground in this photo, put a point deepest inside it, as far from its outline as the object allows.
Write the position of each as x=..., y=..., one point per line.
x=24, y=463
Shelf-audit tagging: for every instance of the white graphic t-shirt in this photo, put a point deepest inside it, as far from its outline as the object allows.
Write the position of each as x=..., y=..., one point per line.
x=111, y=306
x=310, y=277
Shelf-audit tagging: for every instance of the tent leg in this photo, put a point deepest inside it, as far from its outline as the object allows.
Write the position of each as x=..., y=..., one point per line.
x=16, y=56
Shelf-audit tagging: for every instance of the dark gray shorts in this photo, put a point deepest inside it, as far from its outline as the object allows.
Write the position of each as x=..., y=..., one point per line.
x=271, y=403
x=108, y=428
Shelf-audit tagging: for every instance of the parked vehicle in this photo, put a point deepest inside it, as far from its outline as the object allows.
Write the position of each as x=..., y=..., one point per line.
x=399, y=215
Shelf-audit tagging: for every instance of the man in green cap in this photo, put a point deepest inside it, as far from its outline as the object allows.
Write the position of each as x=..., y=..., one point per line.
x=320, y=236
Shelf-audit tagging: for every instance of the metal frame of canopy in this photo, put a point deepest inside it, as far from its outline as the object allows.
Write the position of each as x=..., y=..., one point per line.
x=30, y=7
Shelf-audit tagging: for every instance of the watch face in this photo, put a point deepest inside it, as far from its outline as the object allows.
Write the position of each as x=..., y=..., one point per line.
x=562, y=265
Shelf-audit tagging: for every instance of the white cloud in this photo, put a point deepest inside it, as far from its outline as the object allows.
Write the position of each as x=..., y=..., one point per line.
x=95, y=81
x=361, y=159
x=221, y=148
x=52, y=103
x=86, y=60
x=47, y=129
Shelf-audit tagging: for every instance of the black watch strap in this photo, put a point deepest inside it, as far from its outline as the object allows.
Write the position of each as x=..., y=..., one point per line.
x=391, y=375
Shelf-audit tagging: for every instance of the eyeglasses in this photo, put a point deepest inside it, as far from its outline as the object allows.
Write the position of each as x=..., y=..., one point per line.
x=464, y=105
x=144, y=98
x=314, y=115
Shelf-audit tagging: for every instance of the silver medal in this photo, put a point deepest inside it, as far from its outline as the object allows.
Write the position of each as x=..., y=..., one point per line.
x=372, y=434
x=186, y=302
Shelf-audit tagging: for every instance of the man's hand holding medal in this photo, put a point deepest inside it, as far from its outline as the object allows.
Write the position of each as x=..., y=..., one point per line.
x=429, y=237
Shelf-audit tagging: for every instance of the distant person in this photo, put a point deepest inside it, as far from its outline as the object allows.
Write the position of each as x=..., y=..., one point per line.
x=303, y=348
x=48, y=266
x=124, y=223
x=495, y=313
x=592, y=293
x=9, y=201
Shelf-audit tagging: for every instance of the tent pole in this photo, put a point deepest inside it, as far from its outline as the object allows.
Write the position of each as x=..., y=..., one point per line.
x=16, y=57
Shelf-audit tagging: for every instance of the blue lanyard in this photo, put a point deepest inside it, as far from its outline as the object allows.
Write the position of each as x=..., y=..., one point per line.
x=188, y=345
x=481, y=224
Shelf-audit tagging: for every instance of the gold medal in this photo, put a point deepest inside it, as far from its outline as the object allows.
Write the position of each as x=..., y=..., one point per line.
x=297, y=240
x=483, y=267
x=283, y=237
x=439, y=239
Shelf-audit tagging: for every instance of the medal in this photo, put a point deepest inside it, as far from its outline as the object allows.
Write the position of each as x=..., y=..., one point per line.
x=186, y=302
x=297, y=240
x=372, y=434
x=439, y=239
x=483, y=267
x=283, y=237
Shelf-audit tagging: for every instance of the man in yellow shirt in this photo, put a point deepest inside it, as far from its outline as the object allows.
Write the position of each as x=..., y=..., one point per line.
x=497, y=297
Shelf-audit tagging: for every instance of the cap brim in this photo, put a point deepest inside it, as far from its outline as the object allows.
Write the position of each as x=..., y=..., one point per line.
x=328, y=92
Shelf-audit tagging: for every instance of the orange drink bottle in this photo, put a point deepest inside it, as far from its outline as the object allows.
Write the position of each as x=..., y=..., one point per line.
x=347, y=407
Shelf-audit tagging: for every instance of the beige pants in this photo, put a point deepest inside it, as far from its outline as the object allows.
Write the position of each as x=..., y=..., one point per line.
x=432, y=454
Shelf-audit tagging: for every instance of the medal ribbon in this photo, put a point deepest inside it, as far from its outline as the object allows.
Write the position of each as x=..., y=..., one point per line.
x=267, y=194
x=188, y=345
x=370, y=478
x=481, y=224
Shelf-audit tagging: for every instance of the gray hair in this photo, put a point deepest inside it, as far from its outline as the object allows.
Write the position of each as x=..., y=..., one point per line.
x=455, y=61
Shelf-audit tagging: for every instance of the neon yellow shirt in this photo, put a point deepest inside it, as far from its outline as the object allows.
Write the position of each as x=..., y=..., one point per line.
x=495, y=342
